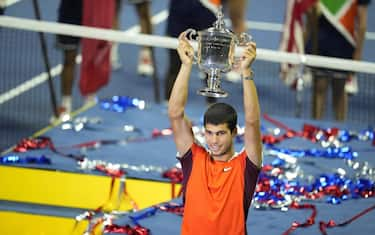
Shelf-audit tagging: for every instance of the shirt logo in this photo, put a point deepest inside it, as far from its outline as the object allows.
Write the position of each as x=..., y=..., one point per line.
x=226, y=169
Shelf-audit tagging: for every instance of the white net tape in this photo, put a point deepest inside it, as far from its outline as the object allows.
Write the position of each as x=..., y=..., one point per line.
x=168, y=42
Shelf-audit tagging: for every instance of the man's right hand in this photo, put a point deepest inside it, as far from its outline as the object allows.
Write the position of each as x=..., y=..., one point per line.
x=185, y=50
x=248, y=55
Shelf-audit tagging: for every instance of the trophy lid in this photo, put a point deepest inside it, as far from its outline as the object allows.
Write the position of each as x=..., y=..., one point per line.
x=219, y=25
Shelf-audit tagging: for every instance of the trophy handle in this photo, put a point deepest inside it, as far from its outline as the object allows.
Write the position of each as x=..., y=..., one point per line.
x=191, y=35
x=243, y=39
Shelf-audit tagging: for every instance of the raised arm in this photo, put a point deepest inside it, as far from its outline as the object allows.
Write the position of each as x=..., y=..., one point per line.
x=181, y=126
x=253, y=141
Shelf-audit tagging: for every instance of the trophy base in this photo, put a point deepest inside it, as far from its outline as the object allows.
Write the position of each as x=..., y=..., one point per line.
x=212, y=93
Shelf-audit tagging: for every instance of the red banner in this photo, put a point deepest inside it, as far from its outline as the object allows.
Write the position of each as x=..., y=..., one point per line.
x=96, y=67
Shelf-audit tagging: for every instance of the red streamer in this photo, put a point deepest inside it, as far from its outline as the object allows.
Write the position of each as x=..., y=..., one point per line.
x=126, y=229
x=277, y=123
x=175, y=175
x=310, y=221
x=40, y=142
x=173, y=208
x=110, y=172
x=309, y=132
x=330, y=224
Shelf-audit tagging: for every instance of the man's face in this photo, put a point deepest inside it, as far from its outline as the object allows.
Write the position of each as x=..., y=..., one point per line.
x=218, y=138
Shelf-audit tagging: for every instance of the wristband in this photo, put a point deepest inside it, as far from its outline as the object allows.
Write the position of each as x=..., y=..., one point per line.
x=250, y=77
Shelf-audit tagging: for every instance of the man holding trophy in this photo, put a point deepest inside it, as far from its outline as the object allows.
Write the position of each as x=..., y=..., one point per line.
x=218, y=183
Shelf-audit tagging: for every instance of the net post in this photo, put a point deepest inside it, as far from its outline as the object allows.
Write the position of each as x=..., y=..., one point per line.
x=155, y=78
x=46, y=60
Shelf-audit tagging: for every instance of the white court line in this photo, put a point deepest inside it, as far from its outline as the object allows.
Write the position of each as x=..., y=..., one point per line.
x=7, y=3
x=259, y=25
x=370, y=36
x=55, y=71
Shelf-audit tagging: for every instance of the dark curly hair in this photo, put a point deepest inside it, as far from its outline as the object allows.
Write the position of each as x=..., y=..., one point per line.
x=220, y=113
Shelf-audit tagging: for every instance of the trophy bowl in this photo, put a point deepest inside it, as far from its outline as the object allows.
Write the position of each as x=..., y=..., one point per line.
x=215, y=54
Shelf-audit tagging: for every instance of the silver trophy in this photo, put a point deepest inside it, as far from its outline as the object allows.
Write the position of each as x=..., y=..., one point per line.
x=215, y=55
